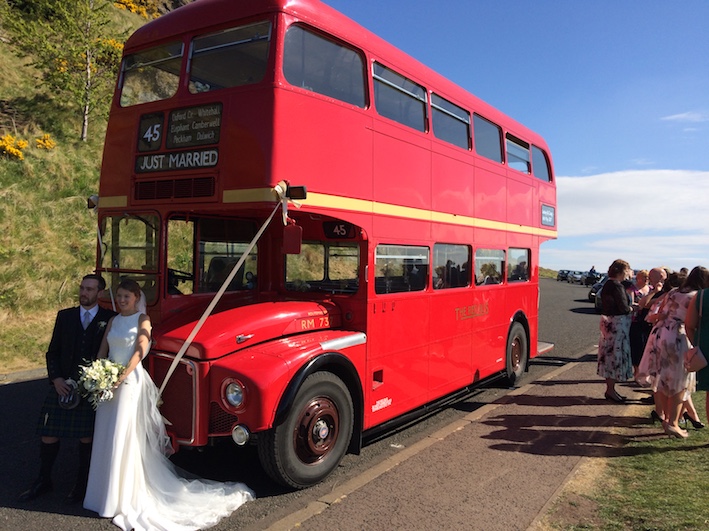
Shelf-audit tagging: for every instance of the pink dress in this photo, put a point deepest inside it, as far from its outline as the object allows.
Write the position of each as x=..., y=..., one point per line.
x=663, y=359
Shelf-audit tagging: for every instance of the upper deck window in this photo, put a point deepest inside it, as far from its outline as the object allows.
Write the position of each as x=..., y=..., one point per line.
x=488, y=139
x=399, y=98
x=540, y=164
x=518, y=154
x=151, y=75
x=229, y=58
x=450, y=122
x=321, y=65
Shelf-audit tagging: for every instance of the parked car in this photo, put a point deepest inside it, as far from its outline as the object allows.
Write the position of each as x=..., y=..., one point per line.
x=596, y=288
x=574, y=277
x=590, y=278
x=563, y=274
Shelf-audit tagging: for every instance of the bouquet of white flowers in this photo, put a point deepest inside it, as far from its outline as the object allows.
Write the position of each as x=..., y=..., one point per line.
x=97, y=380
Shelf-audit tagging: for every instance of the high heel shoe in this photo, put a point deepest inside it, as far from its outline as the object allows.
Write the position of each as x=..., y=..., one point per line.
x=698, y=425
x=654, y=417
x=675, y=432
x=615, y=397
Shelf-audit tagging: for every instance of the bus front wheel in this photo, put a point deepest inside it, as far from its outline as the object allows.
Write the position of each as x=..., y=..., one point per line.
x=313, y=439
x=517, y=354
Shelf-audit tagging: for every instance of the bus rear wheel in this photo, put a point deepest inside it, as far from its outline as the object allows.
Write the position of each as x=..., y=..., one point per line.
x=313, y=439
x=517, y=354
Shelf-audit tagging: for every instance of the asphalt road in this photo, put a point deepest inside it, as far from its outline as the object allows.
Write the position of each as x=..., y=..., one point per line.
x=567, y=319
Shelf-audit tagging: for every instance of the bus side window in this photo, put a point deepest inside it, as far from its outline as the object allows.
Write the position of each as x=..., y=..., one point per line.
x=451, y=266
x=540, y=165
x=489, y=266
x=399, y=98
x=518, y=154
x=320, y=65
x=450, y=122
x=400, y=268
x=488, y=138
x=518, y=269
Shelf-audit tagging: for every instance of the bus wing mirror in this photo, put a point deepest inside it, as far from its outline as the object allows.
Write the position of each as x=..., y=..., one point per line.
x=292, y=239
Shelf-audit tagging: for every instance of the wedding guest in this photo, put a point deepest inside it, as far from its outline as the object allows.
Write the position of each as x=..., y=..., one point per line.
x=614, y=363
x=638, y=289
x=648, y=367
x=131, y=478
x=698, y=332
x=77, y=336
x=672, y=383
x=656, y=279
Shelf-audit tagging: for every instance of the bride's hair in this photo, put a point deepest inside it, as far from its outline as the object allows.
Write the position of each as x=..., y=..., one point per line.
x=134, y=288
x=130, y=285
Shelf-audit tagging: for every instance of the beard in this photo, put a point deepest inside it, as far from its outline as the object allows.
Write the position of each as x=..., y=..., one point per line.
x=87, y=301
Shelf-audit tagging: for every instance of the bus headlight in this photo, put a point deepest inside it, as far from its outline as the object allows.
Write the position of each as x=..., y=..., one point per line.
x=233, y=393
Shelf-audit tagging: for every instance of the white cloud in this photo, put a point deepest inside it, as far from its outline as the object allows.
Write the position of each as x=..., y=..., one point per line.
x=691, y=116
x=633, y=202
x=647, y=217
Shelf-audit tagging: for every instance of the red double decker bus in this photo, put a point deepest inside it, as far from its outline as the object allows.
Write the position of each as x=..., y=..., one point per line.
x=412, y=273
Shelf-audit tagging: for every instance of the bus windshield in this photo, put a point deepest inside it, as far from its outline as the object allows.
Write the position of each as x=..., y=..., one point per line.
x=212, y=246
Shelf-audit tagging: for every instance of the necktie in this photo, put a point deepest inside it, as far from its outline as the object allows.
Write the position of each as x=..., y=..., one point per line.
x=86, y=321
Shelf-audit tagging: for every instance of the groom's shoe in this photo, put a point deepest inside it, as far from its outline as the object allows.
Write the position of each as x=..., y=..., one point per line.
x=77, y=494
x=40, y=486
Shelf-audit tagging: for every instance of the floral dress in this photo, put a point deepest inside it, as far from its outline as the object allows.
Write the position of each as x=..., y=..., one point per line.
x=663, y=359
x=614, y=345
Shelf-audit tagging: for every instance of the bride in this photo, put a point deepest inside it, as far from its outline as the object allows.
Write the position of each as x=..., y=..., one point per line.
x=131, y=479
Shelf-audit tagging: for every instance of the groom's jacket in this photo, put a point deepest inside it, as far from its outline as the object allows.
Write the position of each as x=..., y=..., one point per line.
x=71, y=344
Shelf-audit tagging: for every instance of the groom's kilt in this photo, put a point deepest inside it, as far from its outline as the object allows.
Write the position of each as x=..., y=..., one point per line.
x=55, y=421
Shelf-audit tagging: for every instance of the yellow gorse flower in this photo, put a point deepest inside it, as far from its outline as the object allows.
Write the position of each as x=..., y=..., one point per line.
x=45, y=142
x=139, y=7
x=11, y=147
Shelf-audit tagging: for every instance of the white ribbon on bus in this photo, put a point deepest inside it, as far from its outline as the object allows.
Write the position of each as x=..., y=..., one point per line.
x=280, y=191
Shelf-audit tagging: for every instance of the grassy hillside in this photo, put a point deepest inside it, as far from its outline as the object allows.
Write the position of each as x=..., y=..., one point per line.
x=47, y=238
x=546, y=273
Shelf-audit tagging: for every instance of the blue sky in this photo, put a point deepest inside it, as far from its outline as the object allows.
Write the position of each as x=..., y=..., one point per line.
x=620, y=91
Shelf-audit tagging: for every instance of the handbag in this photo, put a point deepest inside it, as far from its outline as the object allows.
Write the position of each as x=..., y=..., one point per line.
x=694, y=359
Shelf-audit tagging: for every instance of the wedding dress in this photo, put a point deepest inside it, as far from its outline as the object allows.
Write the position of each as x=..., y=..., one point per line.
x=131, y=479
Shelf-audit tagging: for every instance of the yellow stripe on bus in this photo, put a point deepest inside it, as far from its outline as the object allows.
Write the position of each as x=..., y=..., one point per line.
x=386, y=209
x=115, y=201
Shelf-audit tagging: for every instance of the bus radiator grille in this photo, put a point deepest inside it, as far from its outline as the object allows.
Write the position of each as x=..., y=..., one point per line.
x=220, y=422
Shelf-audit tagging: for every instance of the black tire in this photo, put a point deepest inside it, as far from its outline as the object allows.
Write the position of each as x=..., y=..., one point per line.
x=517, y=354
x=313, y=439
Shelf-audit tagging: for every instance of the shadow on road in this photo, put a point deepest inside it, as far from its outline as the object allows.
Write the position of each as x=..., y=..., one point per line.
x=586, y=311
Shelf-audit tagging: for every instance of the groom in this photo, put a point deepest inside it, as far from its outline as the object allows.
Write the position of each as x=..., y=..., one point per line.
x=77, y=336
